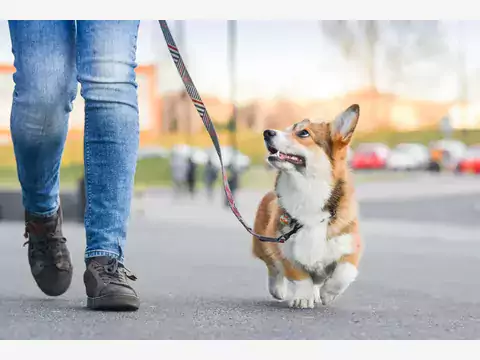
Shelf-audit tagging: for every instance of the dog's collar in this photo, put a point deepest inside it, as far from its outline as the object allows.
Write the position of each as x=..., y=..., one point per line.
x=287, y=220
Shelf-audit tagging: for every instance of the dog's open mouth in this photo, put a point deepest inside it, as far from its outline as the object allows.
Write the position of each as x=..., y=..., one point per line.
x=276, y=155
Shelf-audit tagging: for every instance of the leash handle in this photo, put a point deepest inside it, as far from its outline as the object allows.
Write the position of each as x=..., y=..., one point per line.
x=202, y=111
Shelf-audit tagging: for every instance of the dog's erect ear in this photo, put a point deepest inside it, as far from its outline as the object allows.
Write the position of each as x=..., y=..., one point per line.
x=344, y=125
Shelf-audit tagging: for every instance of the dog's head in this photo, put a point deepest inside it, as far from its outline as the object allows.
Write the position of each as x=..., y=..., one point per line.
x=309, y=148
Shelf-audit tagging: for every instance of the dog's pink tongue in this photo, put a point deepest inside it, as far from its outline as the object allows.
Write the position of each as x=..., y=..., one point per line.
x=282, y=156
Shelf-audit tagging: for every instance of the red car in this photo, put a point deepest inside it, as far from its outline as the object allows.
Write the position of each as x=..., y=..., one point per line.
x=369, y=156
x=470, y=163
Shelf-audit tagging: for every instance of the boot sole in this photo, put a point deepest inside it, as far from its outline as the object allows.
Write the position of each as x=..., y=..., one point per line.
x=114, y=303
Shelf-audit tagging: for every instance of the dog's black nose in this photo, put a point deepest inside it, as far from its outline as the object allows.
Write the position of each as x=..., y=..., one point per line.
x=267, y=134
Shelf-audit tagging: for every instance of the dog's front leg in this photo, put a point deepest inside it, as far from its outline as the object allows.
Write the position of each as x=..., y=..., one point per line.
x=343, y=275
x=303, y=291
x=277, y=284
x=319, y=278
x=303, y=294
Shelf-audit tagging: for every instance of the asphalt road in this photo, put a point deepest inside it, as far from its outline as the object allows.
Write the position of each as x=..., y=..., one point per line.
x=418, y=280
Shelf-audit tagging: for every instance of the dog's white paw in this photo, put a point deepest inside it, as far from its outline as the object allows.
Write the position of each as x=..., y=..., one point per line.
x=303, y=295
x=342, y=277
x=327, y=298
x=316, y=294
x=302, y=303
x=277, y=286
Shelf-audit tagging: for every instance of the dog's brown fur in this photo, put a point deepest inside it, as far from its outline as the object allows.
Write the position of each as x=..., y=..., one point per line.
x=341, y=204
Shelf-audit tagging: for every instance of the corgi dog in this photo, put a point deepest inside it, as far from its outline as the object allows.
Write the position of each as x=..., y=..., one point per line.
x=313, y=188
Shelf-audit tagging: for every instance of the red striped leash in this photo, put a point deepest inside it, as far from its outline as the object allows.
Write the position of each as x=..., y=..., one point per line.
x=202, y=111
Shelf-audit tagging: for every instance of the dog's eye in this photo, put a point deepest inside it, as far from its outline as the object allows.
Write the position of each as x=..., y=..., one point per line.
x=303, y=134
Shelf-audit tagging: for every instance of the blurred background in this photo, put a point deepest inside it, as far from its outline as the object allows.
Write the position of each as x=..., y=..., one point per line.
x=417, y=83
x=415, y=159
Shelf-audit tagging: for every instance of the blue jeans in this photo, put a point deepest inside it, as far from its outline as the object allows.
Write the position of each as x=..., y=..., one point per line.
x=50, y=57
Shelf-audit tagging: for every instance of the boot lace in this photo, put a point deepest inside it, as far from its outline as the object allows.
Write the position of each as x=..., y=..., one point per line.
x=45, y=241
x=114, y=272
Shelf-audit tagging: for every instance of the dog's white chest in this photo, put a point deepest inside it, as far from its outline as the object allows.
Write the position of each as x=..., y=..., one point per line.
x=310, y=248
x=303, y=199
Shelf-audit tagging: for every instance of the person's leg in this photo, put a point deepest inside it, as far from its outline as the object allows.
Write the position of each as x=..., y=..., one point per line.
x=45, y=86
x=106, y=53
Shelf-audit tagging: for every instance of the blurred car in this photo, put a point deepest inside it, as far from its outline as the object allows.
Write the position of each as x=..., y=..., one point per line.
x=370, y=156
x=470, y=163
x=446, y=154
x=408, y=156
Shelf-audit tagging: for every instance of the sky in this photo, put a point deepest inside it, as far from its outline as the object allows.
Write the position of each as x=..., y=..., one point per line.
x=282, y=58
